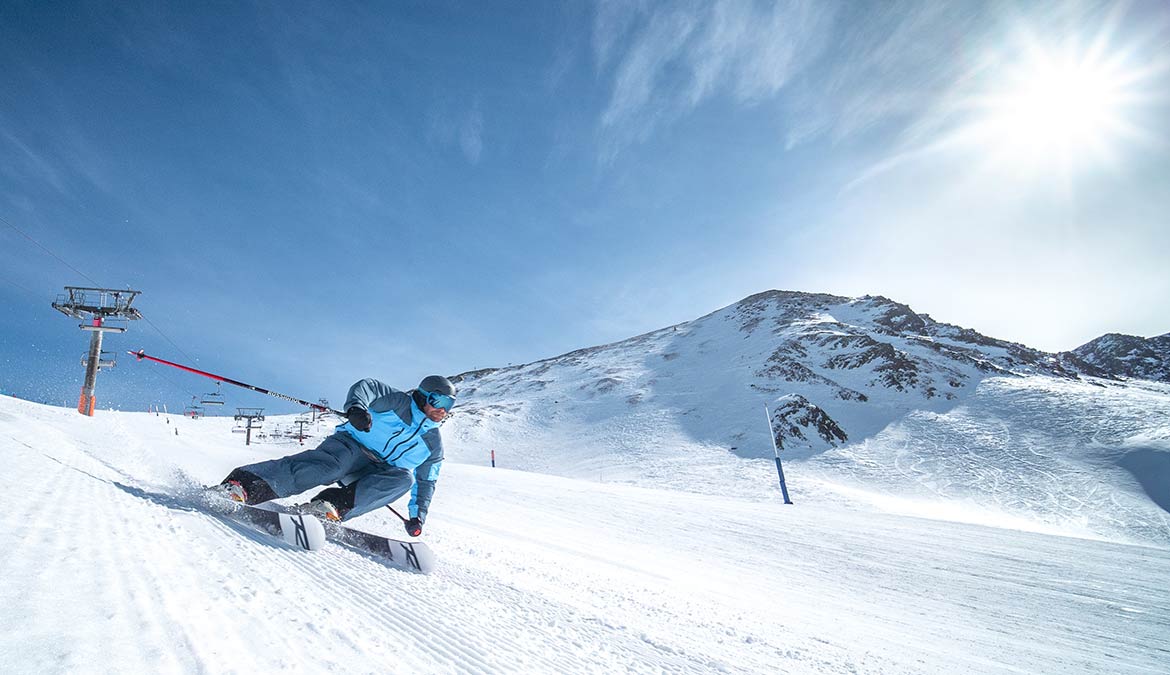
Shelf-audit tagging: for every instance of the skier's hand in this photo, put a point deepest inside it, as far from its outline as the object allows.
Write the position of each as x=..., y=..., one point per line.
x=359, y=418
x=413, y=527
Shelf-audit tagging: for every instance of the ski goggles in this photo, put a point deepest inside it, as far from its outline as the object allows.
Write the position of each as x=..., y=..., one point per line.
x=438, y=400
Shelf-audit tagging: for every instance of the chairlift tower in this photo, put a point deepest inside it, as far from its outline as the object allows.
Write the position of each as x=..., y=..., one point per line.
x=97, y=306
x=301, y=430
x=251, y=415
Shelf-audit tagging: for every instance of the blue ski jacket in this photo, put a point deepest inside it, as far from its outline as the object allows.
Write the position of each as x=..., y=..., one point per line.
x=400, y=435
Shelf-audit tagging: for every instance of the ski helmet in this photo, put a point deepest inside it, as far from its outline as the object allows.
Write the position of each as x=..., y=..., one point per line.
x=437, y=391
x=437, y=384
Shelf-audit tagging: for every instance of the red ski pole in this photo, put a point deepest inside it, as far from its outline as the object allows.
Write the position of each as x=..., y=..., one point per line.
x=141, y=354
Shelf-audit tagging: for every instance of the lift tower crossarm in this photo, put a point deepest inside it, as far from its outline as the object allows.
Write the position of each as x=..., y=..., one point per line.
x=96, y=305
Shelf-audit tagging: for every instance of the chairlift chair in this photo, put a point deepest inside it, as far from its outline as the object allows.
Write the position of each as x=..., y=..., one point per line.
x=215, y=397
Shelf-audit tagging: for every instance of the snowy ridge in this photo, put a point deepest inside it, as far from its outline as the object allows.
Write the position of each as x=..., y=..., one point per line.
x=1129, y=356
x=892, y=405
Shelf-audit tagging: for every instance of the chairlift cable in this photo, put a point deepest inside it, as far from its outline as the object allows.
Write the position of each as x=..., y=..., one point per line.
x=180, y=350
x=46, y=250
x=22, y=287
x=91, y=280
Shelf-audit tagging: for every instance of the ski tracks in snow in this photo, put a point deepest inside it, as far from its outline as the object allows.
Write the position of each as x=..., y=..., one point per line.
x=141, y=578
x=113, y=566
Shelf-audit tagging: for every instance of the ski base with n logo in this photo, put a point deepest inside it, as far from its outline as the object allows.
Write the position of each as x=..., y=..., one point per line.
x=408, y=555
x=296, y=529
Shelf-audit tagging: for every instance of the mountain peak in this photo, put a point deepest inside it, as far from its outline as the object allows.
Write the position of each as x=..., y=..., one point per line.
x=832, y=367
x=1129, y=355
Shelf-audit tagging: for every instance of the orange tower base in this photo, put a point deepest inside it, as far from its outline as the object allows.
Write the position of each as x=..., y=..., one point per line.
x=86, y=403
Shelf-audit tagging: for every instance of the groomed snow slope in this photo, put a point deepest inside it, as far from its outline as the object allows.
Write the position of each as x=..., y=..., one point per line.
x=109, y=567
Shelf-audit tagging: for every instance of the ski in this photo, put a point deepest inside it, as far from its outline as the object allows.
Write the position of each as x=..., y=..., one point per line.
x=310, y=533
x=296, y=529
x=409, y=555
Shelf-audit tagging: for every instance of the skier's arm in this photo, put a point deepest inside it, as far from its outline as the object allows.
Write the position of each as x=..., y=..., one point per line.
x=425, y=477
x=364, y=392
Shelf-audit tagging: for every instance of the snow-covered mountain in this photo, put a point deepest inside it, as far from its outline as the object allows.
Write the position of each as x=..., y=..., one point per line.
x=1129, y=356
x=853, y=385
x=856, y=364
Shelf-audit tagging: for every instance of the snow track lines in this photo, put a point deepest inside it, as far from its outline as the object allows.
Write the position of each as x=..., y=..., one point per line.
x=112, y=564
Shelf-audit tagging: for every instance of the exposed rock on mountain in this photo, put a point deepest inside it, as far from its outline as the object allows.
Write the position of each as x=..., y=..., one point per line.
x=795, y=422
x=1127, y=356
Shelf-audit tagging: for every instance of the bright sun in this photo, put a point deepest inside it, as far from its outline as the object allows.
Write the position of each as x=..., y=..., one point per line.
x=1058, y=104
x=1055, y=109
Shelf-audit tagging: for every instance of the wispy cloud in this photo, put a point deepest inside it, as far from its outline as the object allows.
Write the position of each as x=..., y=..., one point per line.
x=836, y=68
x=34, y=163
x=892, y=62
x=614, y=18
x=666, y=60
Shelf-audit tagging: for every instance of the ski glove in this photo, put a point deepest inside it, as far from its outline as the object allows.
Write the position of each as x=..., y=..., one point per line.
x=414, y=527
x=359, y=418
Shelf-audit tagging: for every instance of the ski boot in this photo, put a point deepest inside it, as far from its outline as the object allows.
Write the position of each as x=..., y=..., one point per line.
x=322, y=509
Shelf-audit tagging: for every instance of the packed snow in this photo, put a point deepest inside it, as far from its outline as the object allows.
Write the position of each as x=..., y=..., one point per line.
x=112, y=567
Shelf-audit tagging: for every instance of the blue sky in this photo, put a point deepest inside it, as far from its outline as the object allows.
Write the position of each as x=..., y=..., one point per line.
x=311, y=193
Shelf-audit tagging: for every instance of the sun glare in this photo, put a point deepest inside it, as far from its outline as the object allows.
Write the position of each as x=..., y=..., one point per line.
x=1047, y=102
x=1050, y=106
x=1061, y=109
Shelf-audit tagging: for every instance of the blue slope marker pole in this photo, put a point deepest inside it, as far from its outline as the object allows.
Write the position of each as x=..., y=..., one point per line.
x=776, y=452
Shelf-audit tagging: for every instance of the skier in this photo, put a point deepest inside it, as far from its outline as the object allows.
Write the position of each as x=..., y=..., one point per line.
x=390, y=444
